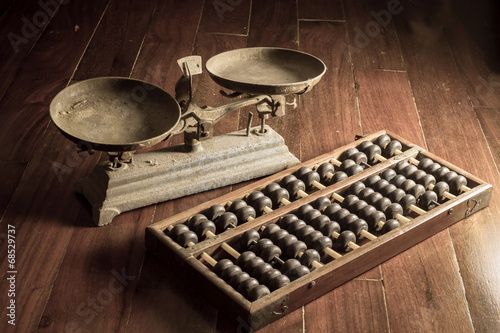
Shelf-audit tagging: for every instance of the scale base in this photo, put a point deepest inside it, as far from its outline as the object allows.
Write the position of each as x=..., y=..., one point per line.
x=173, y=172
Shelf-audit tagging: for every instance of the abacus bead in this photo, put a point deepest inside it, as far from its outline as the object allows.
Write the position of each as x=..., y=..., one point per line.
x=244, y=257
x=390, y=225
x=260, y=203
x=215, y=211
x=247, y=285
x=187, y=237
x=371, y=152
x=270, y=188
x=425, y=163
x=297, y=272
x=358, y=205
x=387, y=190
x=373, y=217
x=309, y=256
x=347, y=219
x=222, y=265
x=252, y=263
x=394, y=209
x=235, y=280
x=303, y=232
x=363, y=145
x=288, y=265
x=382, y=204
x=409, y=170
x=325, y=168
x=329, y=228
x=349, y=152
x=258, y=292
x=353, y=170
x=250, y=199
x=365, y=193
x=347, y=164
x=313, y=236
x=406, y=202
x=398, y=180
x=295, y=186
x=271, y=228
x=225, y=221
x=319, y=221
x=244, y=213
x=396, y=195
x=427, y=200
x=321, y=243
x=400, y=166
x=261, y=245
x=355, y=188
x=388, y=174
x=279, y=282
x=427, y=180
x=203, y=227
x=249, y=237
x=237, y=205
x=293, y=250
x=303, y=210
x=372, y=180
x=321, y=203
x=417, y=176
x=344, y=238
x=286, y=241
x=440, y=188
x=407, y=185
x=456, y=183
x=295, y=226
x=270, y=253
x=310, y=178
x=287, y=179
x=278, y=235
x=302, y=171
x=359, y=158
x=230, y=271
x=177, y=230
x=340, y=214
x=338, y=176
x=380, y=185
x=441, y=172
x=356, y=226
x=331, y=209
x=349, y=201
x=311, y=215
x=374, y=198
x=195, y=219
x=433, y=168
x=286, y=220
x=417, y=191
x=267, y=276
x=383, y=140
x=278, y=195
x=260, y=270
x=391, y=148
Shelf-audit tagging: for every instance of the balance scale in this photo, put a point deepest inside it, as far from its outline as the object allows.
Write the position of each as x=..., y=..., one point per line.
x=109, y=114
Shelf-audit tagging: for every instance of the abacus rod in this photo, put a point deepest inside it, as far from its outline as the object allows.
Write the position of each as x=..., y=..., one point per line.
x=230, y=250
x=208, y=259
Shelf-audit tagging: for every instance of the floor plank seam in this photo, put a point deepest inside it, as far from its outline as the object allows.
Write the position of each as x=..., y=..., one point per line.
x=492, y=155
x=143, y=39
x=384, y=294
x=320, y=20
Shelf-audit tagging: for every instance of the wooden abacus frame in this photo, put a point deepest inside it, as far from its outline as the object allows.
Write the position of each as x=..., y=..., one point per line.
x=254, y=315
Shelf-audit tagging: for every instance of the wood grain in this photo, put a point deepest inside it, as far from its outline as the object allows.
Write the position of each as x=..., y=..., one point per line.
x=490, y=124
x=451, y=132
x=372, y=42
x=10, y=177
x=230, y=17
x=321, y=10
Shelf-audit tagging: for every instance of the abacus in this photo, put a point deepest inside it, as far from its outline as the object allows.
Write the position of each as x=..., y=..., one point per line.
x=270, y=247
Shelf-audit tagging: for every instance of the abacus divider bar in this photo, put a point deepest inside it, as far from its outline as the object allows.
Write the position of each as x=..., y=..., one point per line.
x=229, y=249
x=208, y=259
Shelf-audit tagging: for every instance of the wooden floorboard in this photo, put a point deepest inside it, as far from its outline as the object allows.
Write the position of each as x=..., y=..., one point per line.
x=432, y=86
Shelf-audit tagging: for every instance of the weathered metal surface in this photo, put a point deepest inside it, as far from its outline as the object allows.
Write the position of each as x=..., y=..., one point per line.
x=266, y=70
x=173, y=172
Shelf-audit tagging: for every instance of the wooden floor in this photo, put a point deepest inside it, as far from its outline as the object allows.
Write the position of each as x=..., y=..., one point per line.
x=429, y=85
